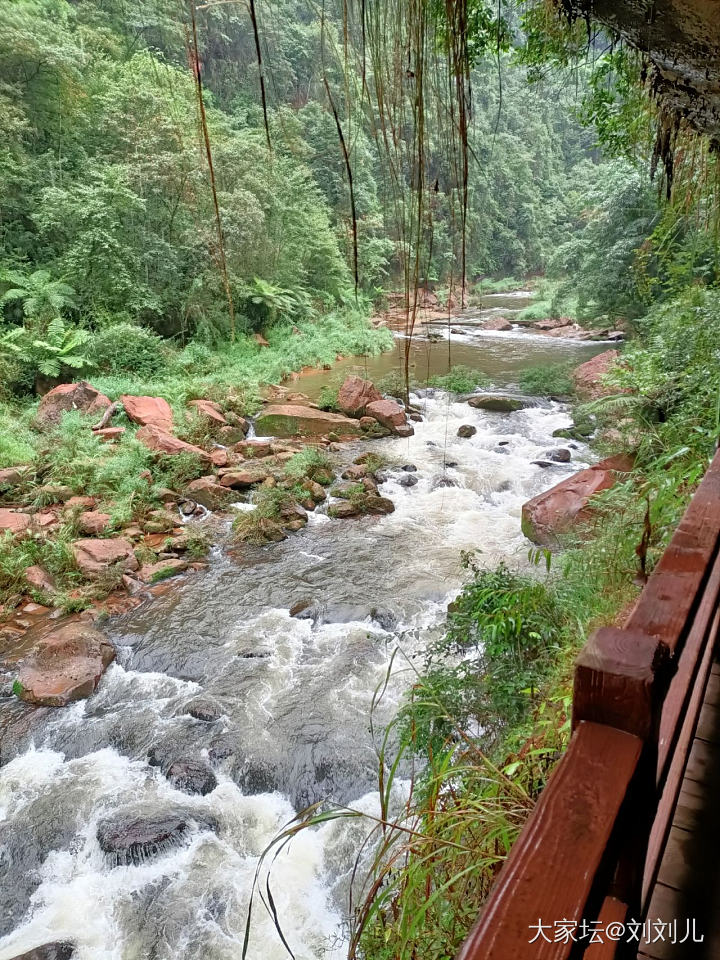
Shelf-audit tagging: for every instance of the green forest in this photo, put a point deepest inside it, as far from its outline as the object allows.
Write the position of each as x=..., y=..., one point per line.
x=207, y=209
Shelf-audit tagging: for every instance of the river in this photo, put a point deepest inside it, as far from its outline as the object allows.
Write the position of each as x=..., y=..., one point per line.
x=292, y=696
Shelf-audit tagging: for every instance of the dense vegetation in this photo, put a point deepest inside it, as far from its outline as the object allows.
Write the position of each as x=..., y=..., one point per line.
x=121, y=260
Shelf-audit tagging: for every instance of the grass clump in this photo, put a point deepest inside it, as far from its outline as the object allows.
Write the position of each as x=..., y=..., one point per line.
x=503, y=285
x=273, y=508
x=310, y=464
x=546, y=381
x=460, y=379
x=328, y=399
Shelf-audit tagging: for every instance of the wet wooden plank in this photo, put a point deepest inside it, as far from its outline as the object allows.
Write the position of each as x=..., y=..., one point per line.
x=677, y=859
x=702, y=758
x=665, y=906
x=612, y=911
x=552, y=866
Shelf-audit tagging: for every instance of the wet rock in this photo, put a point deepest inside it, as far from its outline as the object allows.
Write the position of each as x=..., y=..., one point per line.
x=466, y=431
x=154, y=572
x=134, y=840
x=497, y=323
x=316, y=490
x=499, y=403
x=566, y=505
x=16, y=522
x=80, y=396
x=204, y=710
x=221, y=748
x=210, y=493
x=64, y=665
x=39, y=579
x=344, y=510
x=238, y=479
x=212, y=412
x=409, y=468
x=542, y=463
x=254, y=449
x=503, y=443
x=58, y=950
x=220, y=457
x=354, y=472
x=304, y=610
x=255, y=777
x=148, y=411
x=389, y=413
x=384, y=617
x=191, y=776
x=160, y=441
x=94, y=557
x=408, y=480
x=188, y=507
x=615, y=335
x=355, y=394
x=439, y=482
x=93, y=522
x=559, y=455
x=588, y=377
x=292, y=420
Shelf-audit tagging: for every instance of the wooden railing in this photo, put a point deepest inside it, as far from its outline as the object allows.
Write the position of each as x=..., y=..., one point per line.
x=592, y=847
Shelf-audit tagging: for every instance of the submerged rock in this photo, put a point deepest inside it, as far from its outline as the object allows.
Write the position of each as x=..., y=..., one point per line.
x=58, y=950
x=191, y=776
x=64, y=665
x=499, y=403
x=134, y=840
x=466, y=431
x=408, y=480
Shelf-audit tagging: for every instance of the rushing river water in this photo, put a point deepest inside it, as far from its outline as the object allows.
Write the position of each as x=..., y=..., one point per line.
x=293, y=698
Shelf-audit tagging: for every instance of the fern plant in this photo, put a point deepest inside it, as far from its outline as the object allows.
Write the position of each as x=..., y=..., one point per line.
x=49, y=356
x=42, y=298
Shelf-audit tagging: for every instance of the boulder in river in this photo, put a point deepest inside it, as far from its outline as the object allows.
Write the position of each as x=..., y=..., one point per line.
x=58, y=950
x=355, y=394
x=94, y=557
x=134, y=840
x=80, y=396
x=497, y=323
x=566, y=505
x=148, y=411
x=389, y=413
x=499, y=402
x=294, y=420
x=191, y=776
x=588, y=377
x=466, y=431
x=559, y=455
x=204, y=710
x=210, y=493
x=64, y=665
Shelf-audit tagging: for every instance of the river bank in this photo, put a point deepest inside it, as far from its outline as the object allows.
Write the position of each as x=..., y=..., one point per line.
x=289, y=698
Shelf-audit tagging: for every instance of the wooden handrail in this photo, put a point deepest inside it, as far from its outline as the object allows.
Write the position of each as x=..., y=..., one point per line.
x=592, y=847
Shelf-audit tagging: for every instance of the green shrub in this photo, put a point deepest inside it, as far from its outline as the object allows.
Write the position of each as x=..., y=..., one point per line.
x=460, y=379
x=328, y=399
x=128, y=348
x=310, y=464
x=553, y=380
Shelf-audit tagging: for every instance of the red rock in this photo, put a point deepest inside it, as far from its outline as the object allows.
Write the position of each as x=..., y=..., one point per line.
x=387, y=412
x=566, y=504
x=355, y=394
x=45, y=519
x=160, y=441
x=94, y=557
x=87, y=503
x=208, y=492
x=39, y=579
x=253, y=449
x=497, y=323
x=237, y=479
x=64, y=665
x=588, y=376
x=291, y=420
x=35, y=608
x=109, y=434
x=80, y=396
x=209, y=410
x=219, y=457
x=148, y=411
x=93, y=522
x=553, y=323
x=260, y=340
x=16, y=523
x=153, y=572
